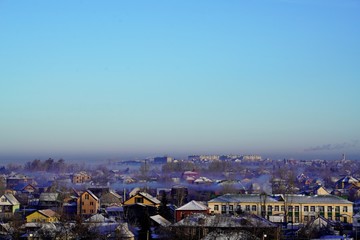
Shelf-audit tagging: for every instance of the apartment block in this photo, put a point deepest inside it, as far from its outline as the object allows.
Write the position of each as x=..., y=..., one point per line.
x=278, y=208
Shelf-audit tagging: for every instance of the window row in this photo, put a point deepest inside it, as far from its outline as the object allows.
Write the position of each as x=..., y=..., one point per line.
x=282, y=208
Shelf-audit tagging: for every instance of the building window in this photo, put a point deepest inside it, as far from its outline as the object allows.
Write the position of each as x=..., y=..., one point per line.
x=277, y=208
x=306, y=218
x=231, y=208
x=269, y=208
x=321, y=208
x=296, y=208
x=91, y=203
x=262, y=208
x=91, y=211
x=216, y=207
x=290, y=208
x=296, y=219
x=312, y=218
x=139, y=200
x=283, y=208
x=84, y=211
x=329, y=208
x=3, y=199
x=312, y=209
x=345, y=209
x=306, y=208
x=253, y=208
x=247, y=208
x=345, y=219
x=86, y=196
x=337, y=209
x=223, y=208
x=337, y=218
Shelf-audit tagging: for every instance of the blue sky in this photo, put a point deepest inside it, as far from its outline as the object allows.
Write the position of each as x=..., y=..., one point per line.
x=143, y=78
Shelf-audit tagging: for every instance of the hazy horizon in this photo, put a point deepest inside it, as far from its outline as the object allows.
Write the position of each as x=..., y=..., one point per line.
x=103, y=158
x=118, y=78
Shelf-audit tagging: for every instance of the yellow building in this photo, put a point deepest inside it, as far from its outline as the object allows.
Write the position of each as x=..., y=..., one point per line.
x=81, y=177
x=277, y=208
x=143, y=198
x=42, y=216
x=88, y=204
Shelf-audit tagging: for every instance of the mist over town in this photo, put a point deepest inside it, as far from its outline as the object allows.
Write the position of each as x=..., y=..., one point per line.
x=182, y=120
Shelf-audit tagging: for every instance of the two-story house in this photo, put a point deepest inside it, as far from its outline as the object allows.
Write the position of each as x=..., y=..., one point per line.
x=143, y=198
x=8, y=205
x=87, y=204
x=81, y=177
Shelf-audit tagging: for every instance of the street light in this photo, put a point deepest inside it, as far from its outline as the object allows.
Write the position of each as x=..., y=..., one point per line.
x=264, y=236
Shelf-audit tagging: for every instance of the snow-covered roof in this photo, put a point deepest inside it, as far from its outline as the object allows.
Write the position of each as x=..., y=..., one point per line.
x=92, y=194
x=293, y=198
x=11, y=200
x=203, y=180
x=124, y=231
x=98, y=218
x=230, y=235
x=48, y=213
x=225, y=221
x=160, y=220
x=149, y=197
x=49, y=197
x=193, y=206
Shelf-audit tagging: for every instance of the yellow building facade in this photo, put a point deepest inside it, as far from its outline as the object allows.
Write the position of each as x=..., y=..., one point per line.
x=278, y=208
x=143, y=198
x=88, y=204
x=42, y=216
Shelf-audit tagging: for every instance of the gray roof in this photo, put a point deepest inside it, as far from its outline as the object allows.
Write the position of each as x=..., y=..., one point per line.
x=149, y=197
x=193, y=206
x=291, y=198
x=92, y=194
x=225, y=221
x=49, y=197
x=11, y=199
x=242, y=198
x=230, y=235
x=98, y=218
x=160, y=220
x=326, y=199
x=124, y=232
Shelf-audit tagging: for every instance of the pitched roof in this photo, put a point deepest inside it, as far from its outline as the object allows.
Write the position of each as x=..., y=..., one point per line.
x=11, y=199
x=230, y=235
x=115, y=194
x=21, y=186
x=124, y=231
x=48, y=213
x=149, y=197
x=348, y=179
x=251, y=198
x=49, y=197
x=292, y=198
x=160, y=220
x=98, y=218
x=193, y=206
x=225, y=221
x=92, y=194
